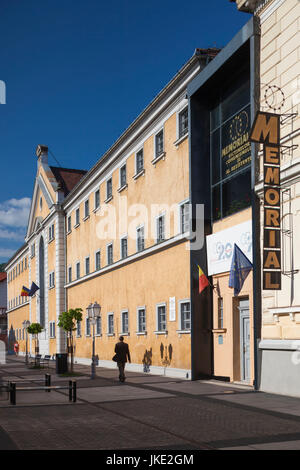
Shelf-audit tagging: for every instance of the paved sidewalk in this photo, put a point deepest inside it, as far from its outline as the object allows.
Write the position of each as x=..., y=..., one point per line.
x=146, y=413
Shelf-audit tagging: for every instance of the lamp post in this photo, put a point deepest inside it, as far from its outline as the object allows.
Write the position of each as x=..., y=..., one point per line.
x=26, y=324
x=93, y=311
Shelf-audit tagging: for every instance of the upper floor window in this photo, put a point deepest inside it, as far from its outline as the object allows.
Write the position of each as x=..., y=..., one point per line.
x=139, y=161
x=78, y=329
x=183, y=123
x=110, y=255
x=97, y=261
x=51, y=280
x=87, y=265
x=124, y=247
x=86, y=208
x=77, y=216
x=110, y=323
x=98, y=326
x=220, y=313
x=160, y=228
x=69, y=224
x=140, y=239
x=70, y=274
x=184, y=217
x=109, y=188
x=32, y=250
x=77, y=270
x=159, y=143
x=51, y=232
x=97, y=199
x=123, y=176
x=52, y=329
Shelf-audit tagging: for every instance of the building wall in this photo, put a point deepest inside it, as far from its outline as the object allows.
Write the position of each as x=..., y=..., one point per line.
x=280, y=53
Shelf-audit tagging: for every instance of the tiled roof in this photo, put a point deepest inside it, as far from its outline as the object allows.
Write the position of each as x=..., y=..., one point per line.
x=3, y=276
x=68, y=178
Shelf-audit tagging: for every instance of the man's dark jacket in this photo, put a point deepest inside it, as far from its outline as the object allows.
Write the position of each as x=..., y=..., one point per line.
x=122, y=351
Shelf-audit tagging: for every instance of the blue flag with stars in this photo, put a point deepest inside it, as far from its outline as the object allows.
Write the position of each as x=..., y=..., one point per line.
x=240, y=268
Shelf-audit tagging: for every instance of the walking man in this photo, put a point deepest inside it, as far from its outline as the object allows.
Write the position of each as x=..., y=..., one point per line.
x=122, y=352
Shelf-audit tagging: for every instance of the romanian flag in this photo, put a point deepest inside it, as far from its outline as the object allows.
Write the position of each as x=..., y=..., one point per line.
x=203, y=281
x=24, y=291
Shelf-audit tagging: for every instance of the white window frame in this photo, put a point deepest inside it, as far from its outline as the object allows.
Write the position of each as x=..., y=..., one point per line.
x=121, y=186
x=76, y=264
x=51, y=233
x=125, y=333
x=87, y=322
x=142, y=226
x=109, y=314
x=140, y=332
x=96, y=253
x=78, y=329
x=180, y=326
x=182, y=203
x=51, y=279
x=52, y=331
x=161, y=304
x=85, y=270
x=96, y=333
x=77, y=220
x=178, y=114
x=95, y=202
x=140, y=171
x=86, y=209
x=108, y=197
x=123, y=237
x=69, y=224
x=157, y=156
x=69, y=277
x=163, y=214
x=107, y=247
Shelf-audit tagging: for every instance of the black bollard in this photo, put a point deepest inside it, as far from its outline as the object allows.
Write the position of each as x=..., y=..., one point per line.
x=74, y=391
x=12, y=393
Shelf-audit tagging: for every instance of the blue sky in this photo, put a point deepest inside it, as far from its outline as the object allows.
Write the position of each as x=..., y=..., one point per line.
x=78, y=72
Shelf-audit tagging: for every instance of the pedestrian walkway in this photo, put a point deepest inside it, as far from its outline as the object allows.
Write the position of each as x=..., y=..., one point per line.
x=147, y=412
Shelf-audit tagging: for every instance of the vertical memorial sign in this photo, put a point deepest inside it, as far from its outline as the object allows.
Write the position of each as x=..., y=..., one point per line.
x=266, y=130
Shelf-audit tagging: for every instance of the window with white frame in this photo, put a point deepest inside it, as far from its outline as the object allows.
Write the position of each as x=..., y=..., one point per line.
x=110, y=255
x=78, y=329
x=109, y=188
x=220, y=313
x=161, y=317
x=52, y=329
x=98, y=326
x=87, y=327
x=78, y=270
x=97, y=199
x=139, y=161
x=32, y=250
x=184, y=217
x=69, y=224
x=185, y=315
x=51, y=280
x=141, y=320
x=124, y=322
x=70, y=274
x=124, y=247
x=160, y=228
x=123, y=176
x=98, y=260
x=159, y=143
x=77, y=217
x=87, y=265
x=183, y=123
x=140, y=239
x=51, y=232
x=86, y=208
x=110, y=323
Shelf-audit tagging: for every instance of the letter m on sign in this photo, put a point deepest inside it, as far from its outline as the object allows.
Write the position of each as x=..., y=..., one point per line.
x=266, y=128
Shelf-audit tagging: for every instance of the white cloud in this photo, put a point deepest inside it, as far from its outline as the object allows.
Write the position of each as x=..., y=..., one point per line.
x=15, y=212
x=6, y=253
x=11, y=235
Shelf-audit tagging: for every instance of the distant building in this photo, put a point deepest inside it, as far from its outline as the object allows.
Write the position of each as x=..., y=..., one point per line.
x=3, y=306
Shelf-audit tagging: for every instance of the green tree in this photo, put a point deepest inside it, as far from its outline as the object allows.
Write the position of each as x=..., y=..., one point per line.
x=67, y=321
x=2, y=267
x=34, y=329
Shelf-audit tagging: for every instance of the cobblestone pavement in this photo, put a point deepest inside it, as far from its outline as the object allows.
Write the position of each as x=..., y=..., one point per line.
x=146, y=413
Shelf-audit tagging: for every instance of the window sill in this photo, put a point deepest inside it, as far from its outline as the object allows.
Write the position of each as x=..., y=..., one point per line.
x=125, y=334
x=86, y=218
x=183, y=332
x=88, y=336
x=110, y=334
x=122, y=188
x=181, y=139
x=141, y=333
x=76, y=226
x=96, y=209
x=161, y=332
x=140, y=173
x=51, y=240
x=99, y=335
x=108, y=199
x=219, y=330
x=51, y=287
x=156, y=159
x=68, y=233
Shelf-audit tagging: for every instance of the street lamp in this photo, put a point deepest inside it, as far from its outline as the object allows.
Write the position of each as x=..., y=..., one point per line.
x=93, y=312
x=26, y=324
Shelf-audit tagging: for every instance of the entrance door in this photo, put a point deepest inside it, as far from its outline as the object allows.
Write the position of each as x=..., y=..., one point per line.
x=245, y=340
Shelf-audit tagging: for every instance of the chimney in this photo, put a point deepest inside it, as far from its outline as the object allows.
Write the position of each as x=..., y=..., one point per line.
x=42, y=154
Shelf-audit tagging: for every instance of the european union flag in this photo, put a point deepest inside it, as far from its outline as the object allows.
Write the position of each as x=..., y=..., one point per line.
x=240, y=268
x=33, y=289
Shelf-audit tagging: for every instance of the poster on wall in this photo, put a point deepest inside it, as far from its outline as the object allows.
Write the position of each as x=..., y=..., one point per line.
x=220, y=247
